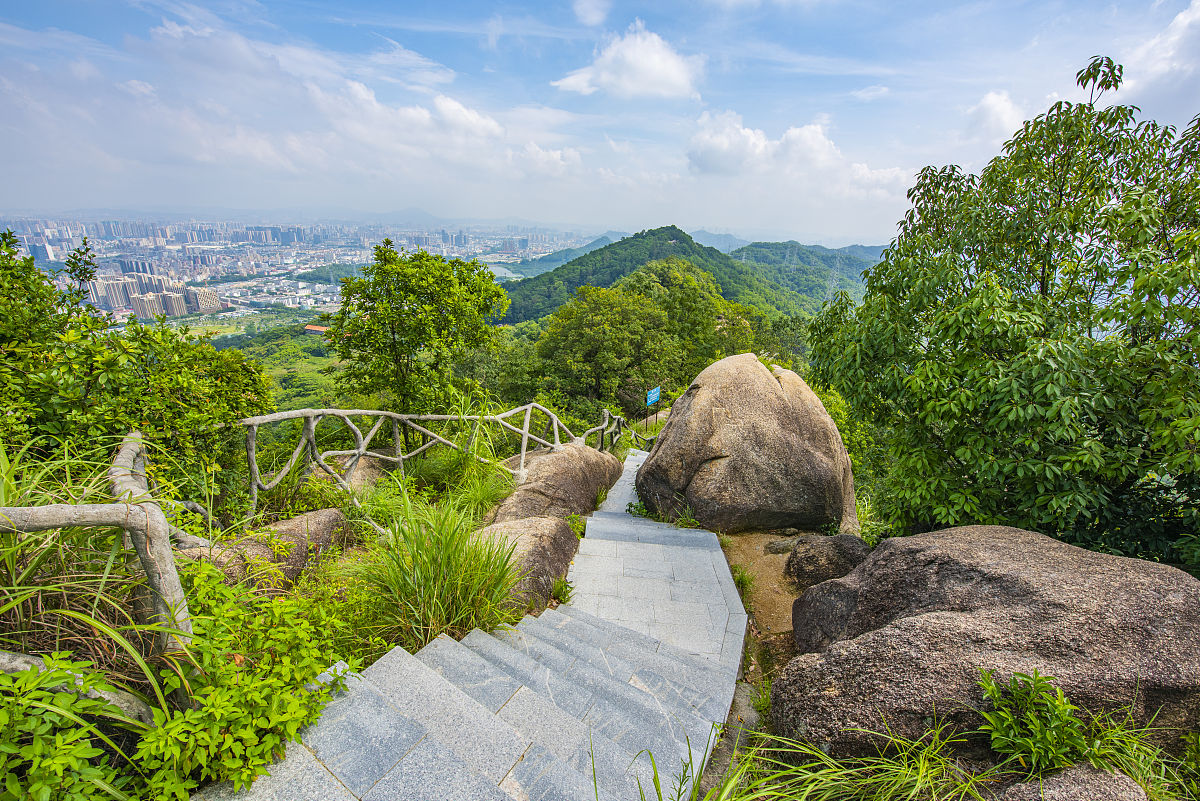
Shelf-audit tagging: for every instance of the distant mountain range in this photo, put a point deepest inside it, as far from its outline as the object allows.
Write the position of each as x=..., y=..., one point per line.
x=544, y=264
x=775, y=277
x=722, y=242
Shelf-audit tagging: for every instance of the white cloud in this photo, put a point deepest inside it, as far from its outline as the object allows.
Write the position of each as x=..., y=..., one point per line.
x=805, y=155
x=869, y=93
x=592, y=12
x=638, y=64
x=994, y=118
x=1164, y=72
x=538, y=161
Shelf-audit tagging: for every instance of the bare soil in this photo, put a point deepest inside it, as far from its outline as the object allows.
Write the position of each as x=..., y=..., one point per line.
x=771, y=598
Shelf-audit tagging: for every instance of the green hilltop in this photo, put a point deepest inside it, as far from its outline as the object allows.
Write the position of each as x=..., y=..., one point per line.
x=774, y=277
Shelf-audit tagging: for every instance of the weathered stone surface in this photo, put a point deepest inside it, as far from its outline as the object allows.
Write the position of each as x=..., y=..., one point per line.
x=747, y=448
x=908, y=630
x=543, y=550
x=1077, y=783
x=367, y=472
x=559, y=483
x=280, y=553
x=818, y=557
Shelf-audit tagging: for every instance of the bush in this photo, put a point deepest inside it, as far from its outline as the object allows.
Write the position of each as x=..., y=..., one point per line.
x=49, y=740
x=1032, y=721
x=250, y=677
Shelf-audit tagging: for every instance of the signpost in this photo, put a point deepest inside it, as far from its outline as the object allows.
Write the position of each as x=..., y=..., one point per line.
x=651, y=399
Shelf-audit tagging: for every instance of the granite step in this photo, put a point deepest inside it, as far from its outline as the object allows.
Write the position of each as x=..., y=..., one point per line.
x=538, y=718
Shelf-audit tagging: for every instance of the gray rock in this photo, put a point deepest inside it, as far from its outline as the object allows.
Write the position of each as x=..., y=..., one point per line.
x=904, y=636
x=1077, y=783
x=817, y=557
x=543, y=548
x=558, y=483
x=747, y=448
x=780, y=546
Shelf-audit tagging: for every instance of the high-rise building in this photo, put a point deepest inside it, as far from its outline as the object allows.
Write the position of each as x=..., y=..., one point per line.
x=119, y=291
x=202, y=299
x=41, y=252
x=173, y=304
x=147, y=306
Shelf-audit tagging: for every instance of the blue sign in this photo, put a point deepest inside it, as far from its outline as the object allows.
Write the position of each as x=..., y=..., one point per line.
x=652, y=396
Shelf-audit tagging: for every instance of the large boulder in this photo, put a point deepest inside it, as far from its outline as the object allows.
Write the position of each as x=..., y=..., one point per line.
x=543, y=548
x=275, y=555
x=816, y=557
x=747, y=448
x=1077, y=783
x=559, y=483
x=902, y=638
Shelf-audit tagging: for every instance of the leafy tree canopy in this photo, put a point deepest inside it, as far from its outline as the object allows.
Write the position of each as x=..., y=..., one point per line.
x=401, y=325
x=1030, y=337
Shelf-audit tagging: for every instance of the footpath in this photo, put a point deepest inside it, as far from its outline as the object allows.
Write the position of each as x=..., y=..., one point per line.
x=562, y=707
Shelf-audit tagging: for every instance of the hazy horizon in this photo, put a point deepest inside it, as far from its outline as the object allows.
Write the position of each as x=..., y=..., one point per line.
x=766, y=119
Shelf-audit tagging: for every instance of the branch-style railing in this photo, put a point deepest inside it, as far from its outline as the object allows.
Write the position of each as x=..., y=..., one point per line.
x=554, y=433
x=146, y=529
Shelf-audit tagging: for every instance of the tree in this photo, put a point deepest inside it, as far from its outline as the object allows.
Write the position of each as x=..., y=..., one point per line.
x=1030, y=337
x=609, y=346
x=407, y=318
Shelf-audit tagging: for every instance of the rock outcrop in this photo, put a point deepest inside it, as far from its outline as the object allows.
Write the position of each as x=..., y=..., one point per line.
x=559, y=483
x=747, y=448
x=815, y=558
x=543, y=550
x=904, y=636
x=276, y=554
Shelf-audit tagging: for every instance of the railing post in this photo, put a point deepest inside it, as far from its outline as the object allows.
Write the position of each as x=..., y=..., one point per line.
x=524, y=441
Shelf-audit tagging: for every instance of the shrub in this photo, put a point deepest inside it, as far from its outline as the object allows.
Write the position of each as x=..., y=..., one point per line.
x=49, y=742
x=250, y=675
x=1032, y=721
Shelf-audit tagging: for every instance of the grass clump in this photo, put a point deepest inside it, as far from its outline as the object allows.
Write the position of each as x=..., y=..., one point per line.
x=562, y=590
x=431, y=573
x=743, y=579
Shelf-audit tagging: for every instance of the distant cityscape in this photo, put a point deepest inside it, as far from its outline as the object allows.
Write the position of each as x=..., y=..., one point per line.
x=229, y=269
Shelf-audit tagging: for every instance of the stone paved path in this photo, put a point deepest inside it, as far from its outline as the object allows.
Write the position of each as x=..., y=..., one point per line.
x=560, y=708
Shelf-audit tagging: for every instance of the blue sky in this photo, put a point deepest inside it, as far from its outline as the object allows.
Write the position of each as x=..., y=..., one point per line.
x=803, y=119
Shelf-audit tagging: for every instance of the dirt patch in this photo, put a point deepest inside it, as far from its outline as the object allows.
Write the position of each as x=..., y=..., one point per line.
x=771, y=598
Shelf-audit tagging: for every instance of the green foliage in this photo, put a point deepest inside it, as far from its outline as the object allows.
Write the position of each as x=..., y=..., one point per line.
x=536, y=297
x=432, y=573
x=1030, y=339
x=251, y=678
x=1032, y=721
x=50, y=744
x=578, y=524
x=67, y=377
x=562, y=590
x=401, y=325
x=743, y=579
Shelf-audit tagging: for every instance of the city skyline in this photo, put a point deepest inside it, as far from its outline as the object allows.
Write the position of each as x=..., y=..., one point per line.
x=769, y=119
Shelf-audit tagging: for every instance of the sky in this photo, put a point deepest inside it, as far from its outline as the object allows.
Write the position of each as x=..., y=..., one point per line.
x=768, y=119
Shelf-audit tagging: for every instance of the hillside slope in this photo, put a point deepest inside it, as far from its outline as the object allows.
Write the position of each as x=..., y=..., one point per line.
x=544, y=264
x=811, y=270
x=538, y=296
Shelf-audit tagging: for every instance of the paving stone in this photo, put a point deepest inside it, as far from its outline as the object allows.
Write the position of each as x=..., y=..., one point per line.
x=574, y=699
x=433, y=772
x=296, y=777
x=536, y=649
x=540, y=776
x=360, y=736
x=480, y=739
x=469, y=672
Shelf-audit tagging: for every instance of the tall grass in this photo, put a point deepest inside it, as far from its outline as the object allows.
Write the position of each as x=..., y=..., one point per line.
x=432, y=573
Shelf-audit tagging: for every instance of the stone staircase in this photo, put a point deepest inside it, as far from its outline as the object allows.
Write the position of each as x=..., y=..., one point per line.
x=566, y=706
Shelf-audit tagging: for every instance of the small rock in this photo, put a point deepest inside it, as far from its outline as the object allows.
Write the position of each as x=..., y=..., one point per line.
x=1077, y=783
x=780, y=546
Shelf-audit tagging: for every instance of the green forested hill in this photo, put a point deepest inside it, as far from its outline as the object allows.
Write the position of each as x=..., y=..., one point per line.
x=544, y=264
x=811, y=270
x=742, y=283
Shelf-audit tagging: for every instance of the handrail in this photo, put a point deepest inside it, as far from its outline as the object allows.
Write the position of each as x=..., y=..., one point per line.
x=145, y=527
